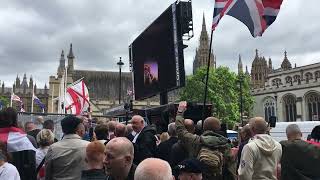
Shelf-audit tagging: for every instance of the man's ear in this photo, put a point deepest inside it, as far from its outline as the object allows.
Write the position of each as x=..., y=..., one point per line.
x=128, y=159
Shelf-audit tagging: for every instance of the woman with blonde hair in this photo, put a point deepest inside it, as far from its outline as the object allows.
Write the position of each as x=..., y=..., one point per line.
x=44, y=138
x=164, y=136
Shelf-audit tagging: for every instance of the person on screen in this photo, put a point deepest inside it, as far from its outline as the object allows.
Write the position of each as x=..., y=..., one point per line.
x=149, y=78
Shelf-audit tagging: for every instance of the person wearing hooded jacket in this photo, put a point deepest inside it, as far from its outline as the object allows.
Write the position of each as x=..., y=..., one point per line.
x=144, y=141
x=197, y=145
x=261, y=156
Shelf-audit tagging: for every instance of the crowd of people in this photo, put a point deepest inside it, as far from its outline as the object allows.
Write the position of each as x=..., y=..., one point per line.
x=115, y=151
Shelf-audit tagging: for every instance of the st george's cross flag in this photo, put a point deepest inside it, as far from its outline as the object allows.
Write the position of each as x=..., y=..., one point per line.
x=15, y=139
x=257, y=15
x=77, y=98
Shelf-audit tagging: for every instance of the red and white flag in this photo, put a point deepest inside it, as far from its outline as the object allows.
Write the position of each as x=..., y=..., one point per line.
x=15, y=98
x=15, y=139
x=77, y=98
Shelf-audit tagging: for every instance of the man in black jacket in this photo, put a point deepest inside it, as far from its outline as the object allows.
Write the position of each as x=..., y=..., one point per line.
x=144, y=142
x=300, y=160
x=164, y=148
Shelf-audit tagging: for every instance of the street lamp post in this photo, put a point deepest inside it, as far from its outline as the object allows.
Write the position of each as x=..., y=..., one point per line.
x=120, y=64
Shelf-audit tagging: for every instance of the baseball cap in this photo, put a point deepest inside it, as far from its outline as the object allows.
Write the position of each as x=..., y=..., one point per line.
x=190, y=166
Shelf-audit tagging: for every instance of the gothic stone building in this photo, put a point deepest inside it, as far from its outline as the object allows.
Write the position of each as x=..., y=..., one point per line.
x=290, y=93
x=201, y=57
x=23, y=89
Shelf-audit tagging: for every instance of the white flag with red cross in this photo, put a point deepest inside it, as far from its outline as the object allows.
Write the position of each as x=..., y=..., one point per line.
x=77, y=98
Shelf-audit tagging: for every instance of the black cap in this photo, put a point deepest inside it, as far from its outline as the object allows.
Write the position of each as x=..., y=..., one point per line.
x=69, y=124
x=190, y=166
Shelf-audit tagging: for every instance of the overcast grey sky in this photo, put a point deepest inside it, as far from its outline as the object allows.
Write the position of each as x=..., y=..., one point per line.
x=33, y=33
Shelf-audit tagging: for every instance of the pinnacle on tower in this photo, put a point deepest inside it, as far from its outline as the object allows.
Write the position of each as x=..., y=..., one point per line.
x=285, y=65
x=247, y=72
x=70, y=59
x=257, y=54
x=240, y=67
x=285, y=55
x=70, y=55
x=204, y=27
x=270, y=63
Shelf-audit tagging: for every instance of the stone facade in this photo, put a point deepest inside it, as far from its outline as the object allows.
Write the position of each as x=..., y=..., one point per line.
x=23, y=89
x=291, y=94
x=201, y=57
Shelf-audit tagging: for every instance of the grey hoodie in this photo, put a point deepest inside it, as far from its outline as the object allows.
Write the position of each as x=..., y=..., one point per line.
x=259, y=158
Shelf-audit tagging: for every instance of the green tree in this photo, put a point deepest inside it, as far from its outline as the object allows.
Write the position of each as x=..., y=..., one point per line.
x=4, y=101
x=223, y=92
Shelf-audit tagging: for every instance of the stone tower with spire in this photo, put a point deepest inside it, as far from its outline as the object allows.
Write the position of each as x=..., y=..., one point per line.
x=70, y=61
x=259, y=71
x=30, y=82
x=201, y=57
x=17, y=82
x=240, y=66
x=286, y=65
x=62, y=63
x=24, y=83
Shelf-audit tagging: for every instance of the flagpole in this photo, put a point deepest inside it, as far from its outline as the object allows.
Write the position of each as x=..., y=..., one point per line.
x=32, y=99
x=52, y=98
x=65, y=91
x=59, y=98
x=11, y=97
x=207, y=79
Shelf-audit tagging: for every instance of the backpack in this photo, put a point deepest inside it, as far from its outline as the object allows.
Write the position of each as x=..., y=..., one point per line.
x=212, y=160
x=215, y=155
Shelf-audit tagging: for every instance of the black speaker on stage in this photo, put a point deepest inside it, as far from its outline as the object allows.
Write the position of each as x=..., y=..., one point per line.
x=272, y=121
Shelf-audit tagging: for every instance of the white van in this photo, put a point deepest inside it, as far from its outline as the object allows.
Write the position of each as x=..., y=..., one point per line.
x=279, y=132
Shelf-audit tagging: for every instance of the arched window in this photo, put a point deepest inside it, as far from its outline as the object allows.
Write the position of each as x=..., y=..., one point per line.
x=297, y=78
x=289, y=80
x=290, y=108
x=317, y=75
x=313, y=106
x=308, y=77
x=269, y=106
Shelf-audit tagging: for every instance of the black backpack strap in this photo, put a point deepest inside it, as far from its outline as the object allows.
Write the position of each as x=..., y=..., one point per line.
x=40, y=165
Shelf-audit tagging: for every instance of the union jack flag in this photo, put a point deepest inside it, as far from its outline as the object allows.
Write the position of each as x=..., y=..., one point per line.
x=15, y=98
x=257, y=15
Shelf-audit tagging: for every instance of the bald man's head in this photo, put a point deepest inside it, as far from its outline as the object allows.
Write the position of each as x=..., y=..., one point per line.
x=121, y=146
x=189, y=124
x=137, y=123
x=155, y=169
x=119, y=157
x=211, y=124
x=120, y=130
x=258, y=125
x=293, y=132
